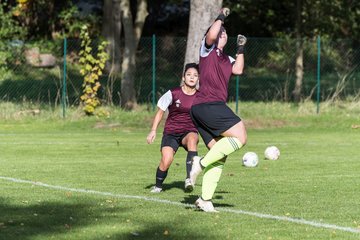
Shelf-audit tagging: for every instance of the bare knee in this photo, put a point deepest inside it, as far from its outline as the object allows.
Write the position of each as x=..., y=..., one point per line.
x=165, y=163
x=242, y=137
x=243, y=140
x=191, y=141
x=238, y=131
x=211, y=143
x=167, y=156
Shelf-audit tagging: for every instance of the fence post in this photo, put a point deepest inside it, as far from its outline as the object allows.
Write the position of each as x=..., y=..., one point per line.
x=153, y=71
x=237, y=95
x=318, y=75
x=64, y=80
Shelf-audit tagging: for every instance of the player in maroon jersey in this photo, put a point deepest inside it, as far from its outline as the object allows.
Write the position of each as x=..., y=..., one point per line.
x=221, y=129
x=179, y=129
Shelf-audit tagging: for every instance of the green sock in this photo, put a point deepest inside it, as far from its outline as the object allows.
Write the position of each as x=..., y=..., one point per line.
x=221, y=149
x=210, y=179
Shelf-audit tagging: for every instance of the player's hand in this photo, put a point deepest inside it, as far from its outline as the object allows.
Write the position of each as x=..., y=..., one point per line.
x=241, y=40
x=240, y=43
x=224, y=12
x=151, y=137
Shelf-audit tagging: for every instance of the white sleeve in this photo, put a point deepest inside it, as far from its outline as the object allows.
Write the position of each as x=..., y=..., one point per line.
x=232, y=60
x=165, y=101
x=204, y=52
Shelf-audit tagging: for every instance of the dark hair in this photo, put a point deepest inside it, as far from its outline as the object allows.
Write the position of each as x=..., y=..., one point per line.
x=191, y=65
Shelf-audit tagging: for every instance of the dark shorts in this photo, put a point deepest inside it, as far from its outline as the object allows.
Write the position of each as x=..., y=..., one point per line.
x=212, y=119
x=173, y=140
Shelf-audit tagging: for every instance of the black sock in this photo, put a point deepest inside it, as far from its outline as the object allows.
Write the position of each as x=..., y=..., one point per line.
x=189, y=158
x=160, y=177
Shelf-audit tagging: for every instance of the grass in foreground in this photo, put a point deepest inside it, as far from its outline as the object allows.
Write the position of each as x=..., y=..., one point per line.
x=315, y=179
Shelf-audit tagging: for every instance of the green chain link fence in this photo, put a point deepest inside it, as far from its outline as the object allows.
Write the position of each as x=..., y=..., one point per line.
x=269, y=71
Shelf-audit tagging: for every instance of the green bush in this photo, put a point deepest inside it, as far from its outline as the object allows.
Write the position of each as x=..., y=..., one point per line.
x=10, y=33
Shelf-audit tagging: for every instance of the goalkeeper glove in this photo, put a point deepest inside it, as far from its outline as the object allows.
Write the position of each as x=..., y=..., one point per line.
x=224, y=12
x=240, y=43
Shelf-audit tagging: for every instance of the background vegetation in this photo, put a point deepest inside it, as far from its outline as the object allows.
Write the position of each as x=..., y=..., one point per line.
x=272, y=52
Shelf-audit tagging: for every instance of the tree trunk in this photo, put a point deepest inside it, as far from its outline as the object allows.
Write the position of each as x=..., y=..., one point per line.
x=132, y=35
x=299, y=66
x=299, y=71
x=140, y=19
x=111, y=30
x=201, y=17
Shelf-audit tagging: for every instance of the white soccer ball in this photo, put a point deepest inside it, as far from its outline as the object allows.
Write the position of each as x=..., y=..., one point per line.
x=250, y=159
x=272, y=153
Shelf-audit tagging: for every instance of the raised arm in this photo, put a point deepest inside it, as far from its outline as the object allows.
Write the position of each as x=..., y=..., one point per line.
x=238, y=66
x=213, y=32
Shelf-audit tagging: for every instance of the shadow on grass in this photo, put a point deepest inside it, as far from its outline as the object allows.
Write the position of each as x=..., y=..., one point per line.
x=190, y=199
x=24, y=220
x=54, y=220
x=174, y=184
x=169, y=186
x=157, y=232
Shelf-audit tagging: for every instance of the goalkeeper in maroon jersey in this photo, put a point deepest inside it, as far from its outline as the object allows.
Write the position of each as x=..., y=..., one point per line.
x=179, y=130
x=221, y=129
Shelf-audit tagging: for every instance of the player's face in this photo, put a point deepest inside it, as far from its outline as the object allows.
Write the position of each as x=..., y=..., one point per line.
x=222, y=39
x=191, y=77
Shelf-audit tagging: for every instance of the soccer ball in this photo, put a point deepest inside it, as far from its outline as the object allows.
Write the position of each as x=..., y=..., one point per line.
x=272, y=153
x=250, y=159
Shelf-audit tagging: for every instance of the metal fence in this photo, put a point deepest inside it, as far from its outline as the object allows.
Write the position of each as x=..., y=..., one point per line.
x=269, y=71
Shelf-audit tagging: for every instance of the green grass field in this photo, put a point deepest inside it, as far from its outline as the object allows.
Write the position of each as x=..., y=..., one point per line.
x=89, y=178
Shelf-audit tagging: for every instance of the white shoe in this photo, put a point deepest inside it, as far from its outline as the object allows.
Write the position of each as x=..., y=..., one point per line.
x=156, y=189
x=195, y=169
x=188, y=185
x=204, y=205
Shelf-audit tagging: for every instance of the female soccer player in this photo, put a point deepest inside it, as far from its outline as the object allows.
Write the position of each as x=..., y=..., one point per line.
x=221, y=129
x=179, y=129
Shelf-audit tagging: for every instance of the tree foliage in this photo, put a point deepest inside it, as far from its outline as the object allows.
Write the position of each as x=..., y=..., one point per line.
x=9, y=28
x=10, y=35
x=271, y=18
x=255, y=18
x=49, y=19
x=92, y=69
x=302, y=21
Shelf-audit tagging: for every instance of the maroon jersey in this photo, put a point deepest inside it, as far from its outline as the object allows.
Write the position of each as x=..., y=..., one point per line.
x=179, y=104
x=216, y=70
